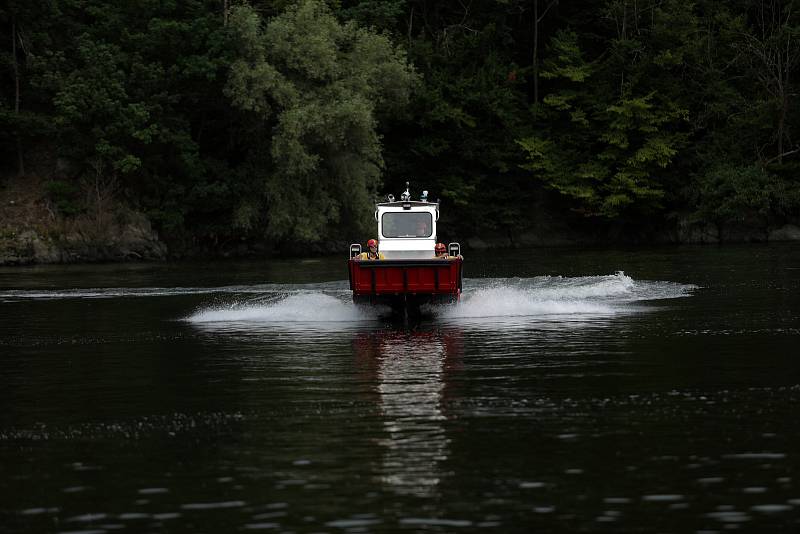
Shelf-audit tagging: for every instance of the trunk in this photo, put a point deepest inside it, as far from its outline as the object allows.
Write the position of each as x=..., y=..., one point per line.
x=624, y=19
x=225, y=9
x=535, y=53
x=624, y=38
x=410, y=26
x=781, y=125
x=20, y=159
x=537, y=18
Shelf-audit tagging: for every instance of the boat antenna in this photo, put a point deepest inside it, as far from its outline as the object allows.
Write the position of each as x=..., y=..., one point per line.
x=406, y=196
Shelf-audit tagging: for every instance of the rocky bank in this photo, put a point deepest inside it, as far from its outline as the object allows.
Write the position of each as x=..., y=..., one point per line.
x=33, y=232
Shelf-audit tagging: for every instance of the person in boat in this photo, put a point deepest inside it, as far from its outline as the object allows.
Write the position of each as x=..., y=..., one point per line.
x=441, y=251
x=372, y=252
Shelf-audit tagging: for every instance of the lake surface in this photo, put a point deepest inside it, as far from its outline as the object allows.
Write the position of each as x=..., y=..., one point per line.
x=571, y=390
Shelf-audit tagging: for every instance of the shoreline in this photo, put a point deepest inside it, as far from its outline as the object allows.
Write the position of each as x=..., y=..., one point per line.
x=140, y=244
x=34, y=232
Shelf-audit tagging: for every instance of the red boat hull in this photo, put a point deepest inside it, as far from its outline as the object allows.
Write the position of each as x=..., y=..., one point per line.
x=406, y=282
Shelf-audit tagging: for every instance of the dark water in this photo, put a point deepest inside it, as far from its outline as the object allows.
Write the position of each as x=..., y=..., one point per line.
x=560, y=395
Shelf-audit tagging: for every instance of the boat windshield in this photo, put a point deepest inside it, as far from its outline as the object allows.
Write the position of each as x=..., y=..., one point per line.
x=407, y=224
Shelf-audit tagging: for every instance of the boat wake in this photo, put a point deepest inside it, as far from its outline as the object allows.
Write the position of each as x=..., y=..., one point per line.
x=546, y=296
x=120, y=292
x=298, y=308
x=556, y=295
x=330, y=302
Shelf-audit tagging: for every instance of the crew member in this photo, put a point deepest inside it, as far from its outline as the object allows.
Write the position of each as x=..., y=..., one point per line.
x=372, y=252
x=441, y=251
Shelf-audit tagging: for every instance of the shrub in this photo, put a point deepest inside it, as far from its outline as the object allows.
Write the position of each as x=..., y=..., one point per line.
x=65, y=196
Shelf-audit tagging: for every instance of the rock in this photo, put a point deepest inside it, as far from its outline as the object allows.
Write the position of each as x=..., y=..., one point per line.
x=787, y=232
x=26, y=236
x=38, y=249
x=742, y=233
x=44, y=251
x=10, y=257
x=131, y=238
x=26, y=247
x=137, y=240
x=694, y=233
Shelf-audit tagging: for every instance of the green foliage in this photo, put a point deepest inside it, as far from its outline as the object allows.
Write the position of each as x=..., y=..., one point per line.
x=92, y=103
x=281, y=119
x=321, y=87
x=729, y=193
x=609, y=156
x=65, y=196
x=565, y=60
x=378, y=14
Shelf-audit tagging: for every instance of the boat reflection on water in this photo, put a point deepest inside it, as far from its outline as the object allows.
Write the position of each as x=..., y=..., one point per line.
x=412, y=370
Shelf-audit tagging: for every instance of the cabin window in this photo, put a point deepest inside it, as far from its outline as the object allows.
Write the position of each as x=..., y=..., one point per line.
x=407, y=224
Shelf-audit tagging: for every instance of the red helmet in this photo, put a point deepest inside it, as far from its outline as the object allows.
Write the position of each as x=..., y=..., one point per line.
x=372, y=243
x=440, y=247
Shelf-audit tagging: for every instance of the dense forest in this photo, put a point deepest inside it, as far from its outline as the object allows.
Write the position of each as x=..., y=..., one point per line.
x=280, y=122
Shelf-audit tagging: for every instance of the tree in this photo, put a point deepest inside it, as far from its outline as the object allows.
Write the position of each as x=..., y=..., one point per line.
x=537, y=20
x=606, y=153
x=319, y=88
x=772, y=53
x=16, y=38
x=24, y=29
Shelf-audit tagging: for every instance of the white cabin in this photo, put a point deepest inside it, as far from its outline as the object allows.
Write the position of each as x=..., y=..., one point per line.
x=407, y=229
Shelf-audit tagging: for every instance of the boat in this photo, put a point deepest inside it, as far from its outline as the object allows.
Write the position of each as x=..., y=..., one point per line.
x=408, y=274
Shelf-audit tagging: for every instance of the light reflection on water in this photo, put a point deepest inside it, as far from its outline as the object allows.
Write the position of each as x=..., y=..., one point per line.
x=410, y=384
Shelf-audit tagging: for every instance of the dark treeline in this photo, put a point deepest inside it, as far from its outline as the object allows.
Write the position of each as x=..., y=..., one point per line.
x=281, y=121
